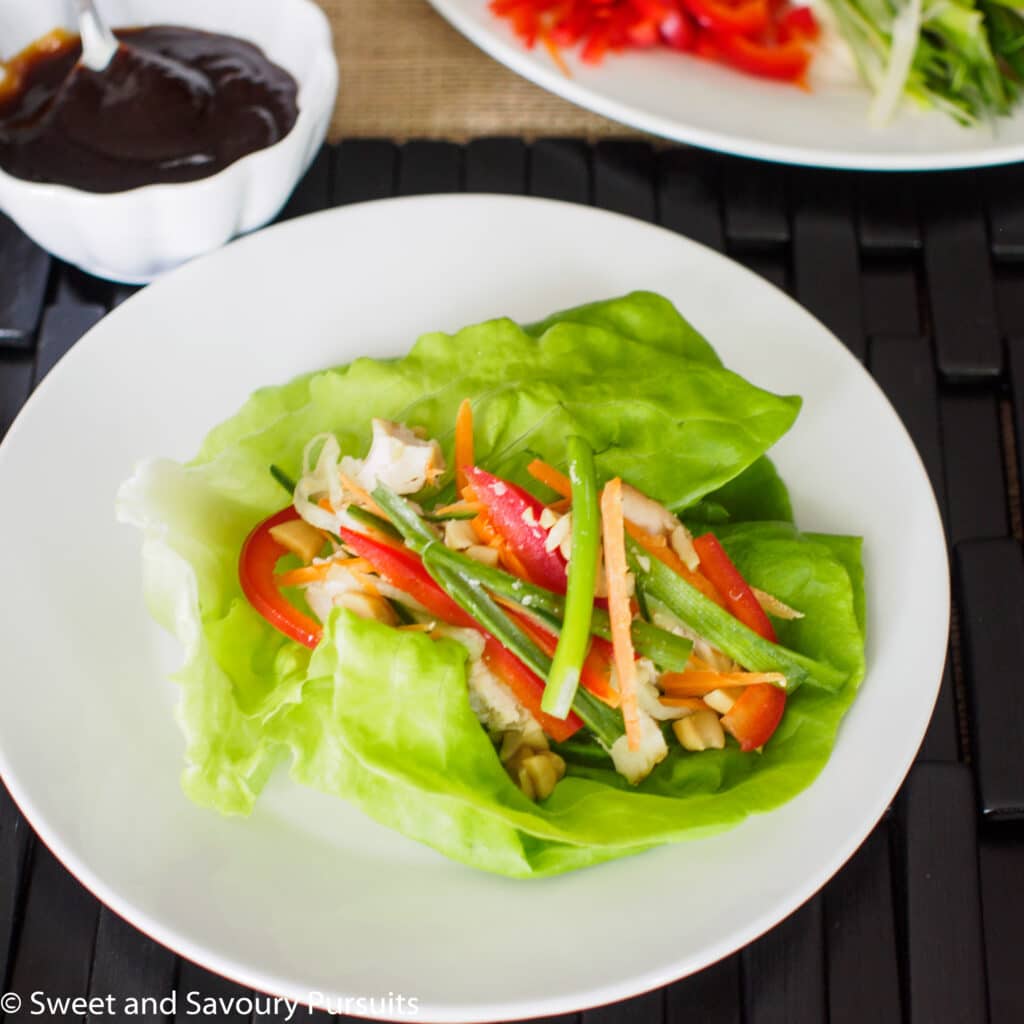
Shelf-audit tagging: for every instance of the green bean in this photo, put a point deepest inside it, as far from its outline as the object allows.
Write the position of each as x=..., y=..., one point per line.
x=724, y=631
x=283, y=479
x=417, y=535
x=372, y=522
x=529, y=595
x=471, y=597
x=468, y=593
x=574, y=640
x=601, y=720
x=668, y=651
x=447, y=517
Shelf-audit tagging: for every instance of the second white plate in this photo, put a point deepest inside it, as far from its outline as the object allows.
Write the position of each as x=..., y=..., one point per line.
x=695, y=101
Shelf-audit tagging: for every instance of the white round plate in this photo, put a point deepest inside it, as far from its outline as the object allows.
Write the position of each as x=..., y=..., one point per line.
x=308, y=899
x=695, y=101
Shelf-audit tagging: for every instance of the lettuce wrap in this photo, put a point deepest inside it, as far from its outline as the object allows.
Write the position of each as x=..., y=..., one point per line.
x=383, y=719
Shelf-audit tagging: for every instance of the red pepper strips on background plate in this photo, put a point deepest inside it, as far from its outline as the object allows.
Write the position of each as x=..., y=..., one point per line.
x=766, y=38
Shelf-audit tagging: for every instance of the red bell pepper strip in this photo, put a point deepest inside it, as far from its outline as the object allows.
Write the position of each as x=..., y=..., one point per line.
x=256, y=566
x=799, y=23
x=746, y=18
x=599, y=41
x=515, y=516
x=528, y=688
x=481, y=523
x=762, y=37
x=570, y=28
x=756, y=715
x=403, y=569
x=642, y=34
x=786, y=61
x=739, y=598
x=677, y=30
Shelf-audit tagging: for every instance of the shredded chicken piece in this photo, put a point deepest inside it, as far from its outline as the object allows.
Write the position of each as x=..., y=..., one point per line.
x=655, y=519
x=398, y=458
x=682, y=544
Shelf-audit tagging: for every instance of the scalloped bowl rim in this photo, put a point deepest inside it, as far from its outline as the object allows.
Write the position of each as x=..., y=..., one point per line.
x=317, y=88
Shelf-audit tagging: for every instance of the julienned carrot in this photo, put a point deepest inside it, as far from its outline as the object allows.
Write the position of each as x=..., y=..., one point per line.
x=693, y=703
x=362, y=496
x=658, y=547
x=697, y=684
x=482, y=525
x=458, y=507
x=489, y=536
x=556, y=54
x=613, y=535
x=510, y=561
x=368, y=583
x=318, y=571
x=463, y=442
x=315, y=573
x=550, y=477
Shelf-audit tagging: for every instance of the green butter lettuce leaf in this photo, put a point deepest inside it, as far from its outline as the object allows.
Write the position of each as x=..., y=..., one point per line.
x=679, y=427
x=234, y=667
x=642, y=317
x=758, y=493
x=381, y=718
x=777, y=558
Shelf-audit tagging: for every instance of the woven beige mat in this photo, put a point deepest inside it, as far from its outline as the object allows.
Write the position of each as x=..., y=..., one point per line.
x=406, y=73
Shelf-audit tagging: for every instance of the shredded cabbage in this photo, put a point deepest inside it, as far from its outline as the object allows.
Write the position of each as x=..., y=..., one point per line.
x=320, y=478
x=906, y=29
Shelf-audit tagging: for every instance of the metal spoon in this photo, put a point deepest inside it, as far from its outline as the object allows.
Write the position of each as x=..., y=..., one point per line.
x=99, y=44
x=99, y=81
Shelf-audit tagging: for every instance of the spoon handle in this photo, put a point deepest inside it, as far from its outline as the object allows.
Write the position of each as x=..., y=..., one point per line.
x=99, y=44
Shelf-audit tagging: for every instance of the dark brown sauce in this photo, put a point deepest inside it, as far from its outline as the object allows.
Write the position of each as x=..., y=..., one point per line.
x=175, y=104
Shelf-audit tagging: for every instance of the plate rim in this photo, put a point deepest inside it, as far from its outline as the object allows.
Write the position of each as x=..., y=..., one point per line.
x=518, y=59
x=264, y=981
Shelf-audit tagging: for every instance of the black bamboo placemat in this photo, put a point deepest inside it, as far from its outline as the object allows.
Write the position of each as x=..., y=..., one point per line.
x=922, y=277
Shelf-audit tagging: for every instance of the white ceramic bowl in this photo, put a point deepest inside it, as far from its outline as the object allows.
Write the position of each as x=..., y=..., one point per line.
x=138, y=234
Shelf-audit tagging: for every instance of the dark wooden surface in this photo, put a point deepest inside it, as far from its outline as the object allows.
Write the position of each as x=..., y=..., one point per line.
x=923, y=279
